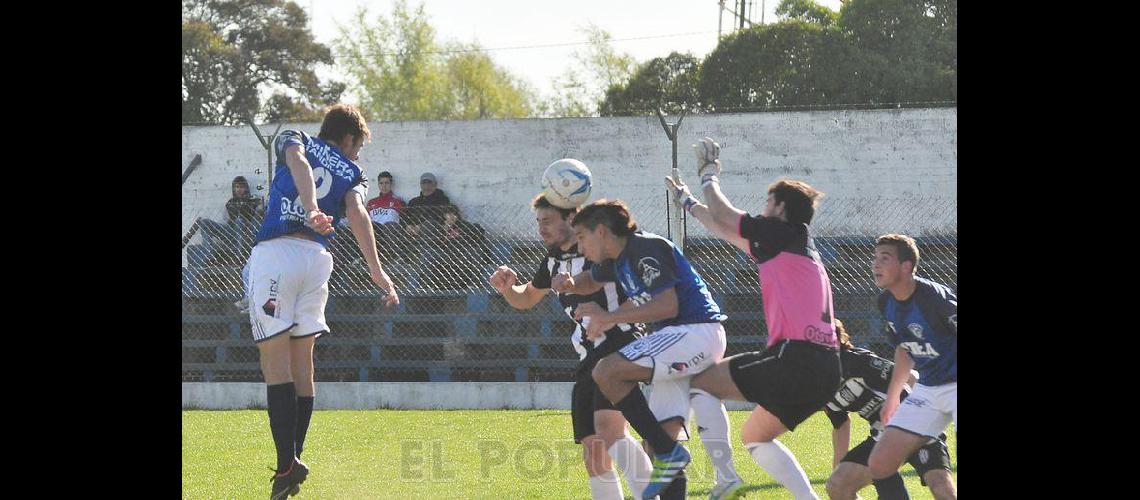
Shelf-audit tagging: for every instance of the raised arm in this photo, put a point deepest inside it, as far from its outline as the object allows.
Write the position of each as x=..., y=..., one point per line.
x=726, y=228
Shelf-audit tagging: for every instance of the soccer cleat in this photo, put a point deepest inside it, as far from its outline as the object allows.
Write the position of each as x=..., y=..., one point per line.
x=288, y=483
x=666, y=466
x=727, y=490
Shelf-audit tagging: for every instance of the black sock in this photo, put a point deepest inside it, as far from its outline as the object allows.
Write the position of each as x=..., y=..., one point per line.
x=636, y=411
x=304, y=413
x=676, y=489
x=891, y=488
x=282, y=399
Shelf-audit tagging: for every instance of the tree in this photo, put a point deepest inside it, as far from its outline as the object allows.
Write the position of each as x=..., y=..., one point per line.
x=401, y=72
x=233, y=52
x=807, y=10
x=667, y=83
x=789, y=63
x=872, y=52
x=580, y=90
x=907, y=48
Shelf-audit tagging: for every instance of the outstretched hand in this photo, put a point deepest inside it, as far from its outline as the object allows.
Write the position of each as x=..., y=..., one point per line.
x=707, y=152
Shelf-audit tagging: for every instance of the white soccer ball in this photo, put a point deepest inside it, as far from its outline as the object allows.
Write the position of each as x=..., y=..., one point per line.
x=567, y=183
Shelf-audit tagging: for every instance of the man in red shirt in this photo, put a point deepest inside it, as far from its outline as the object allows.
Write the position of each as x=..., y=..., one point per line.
x=386, y=208
x=385, y=211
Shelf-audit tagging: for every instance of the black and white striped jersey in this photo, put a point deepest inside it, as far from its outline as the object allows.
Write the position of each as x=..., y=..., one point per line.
x=610, y=297
x=865, y=381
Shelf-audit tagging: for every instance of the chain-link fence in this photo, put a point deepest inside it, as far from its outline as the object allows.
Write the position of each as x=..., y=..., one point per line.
x=453, y=326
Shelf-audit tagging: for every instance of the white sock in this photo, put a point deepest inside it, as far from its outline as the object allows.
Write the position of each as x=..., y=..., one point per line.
x=605, y=486
x=778, y=461
x=633, y=462
x=712, y=426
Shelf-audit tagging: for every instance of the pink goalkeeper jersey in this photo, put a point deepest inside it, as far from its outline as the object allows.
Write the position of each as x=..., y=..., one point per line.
x=793, y=283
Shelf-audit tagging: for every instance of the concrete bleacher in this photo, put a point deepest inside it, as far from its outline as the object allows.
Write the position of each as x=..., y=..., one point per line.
x=473, y=335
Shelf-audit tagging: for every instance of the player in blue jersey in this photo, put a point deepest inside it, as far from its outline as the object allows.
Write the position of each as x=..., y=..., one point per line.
x=865, y=381
x=316, y=182
x=596, y=424
x=922, y=324
x=687, y=337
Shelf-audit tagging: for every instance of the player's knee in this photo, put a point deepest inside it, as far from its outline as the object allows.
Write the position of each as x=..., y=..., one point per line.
x=610, y=432
x=754, y=434
x=842, y=483
x=880, y=467
x=605, y=370
x=594, y=455
x=835, y=486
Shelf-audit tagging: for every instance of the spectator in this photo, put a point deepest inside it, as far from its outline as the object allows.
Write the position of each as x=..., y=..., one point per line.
x=386, y=208
x=244, y=213
x=426, y=206
x=456, y=248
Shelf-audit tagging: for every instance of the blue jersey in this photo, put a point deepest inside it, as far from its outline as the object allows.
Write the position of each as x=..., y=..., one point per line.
x=926, y=325
x=334, y=176
x=650, y=265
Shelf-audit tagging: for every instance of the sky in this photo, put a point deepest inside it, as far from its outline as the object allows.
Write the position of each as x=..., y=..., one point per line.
x=674, y=25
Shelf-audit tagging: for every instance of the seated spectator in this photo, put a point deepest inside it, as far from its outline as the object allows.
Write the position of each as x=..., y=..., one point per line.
x=233, y=240
x=427, y=206
x=456, y=250
x=386, y=208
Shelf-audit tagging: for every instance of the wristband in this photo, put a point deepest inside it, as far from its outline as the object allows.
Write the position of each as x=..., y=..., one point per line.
x=688, y=203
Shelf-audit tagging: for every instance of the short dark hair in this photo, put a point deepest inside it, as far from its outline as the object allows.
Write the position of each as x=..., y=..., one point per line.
x=799, y=199
x=341, y=120
x=904, y=245
x=540, y=201
x=385, y=174
x=614, y=214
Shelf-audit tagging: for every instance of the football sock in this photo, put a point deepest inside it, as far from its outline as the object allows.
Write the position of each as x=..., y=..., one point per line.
x=891, y=488
x=282, y=400
x=676, y=489
x=633, y=462
x=605, y=486
x=712, y=427
x=779, y=462
x=304, y=414
x=636, y=411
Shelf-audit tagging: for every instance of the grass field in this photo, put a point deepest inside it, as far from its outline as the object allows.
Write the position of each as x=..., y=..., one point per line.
x=458, y=454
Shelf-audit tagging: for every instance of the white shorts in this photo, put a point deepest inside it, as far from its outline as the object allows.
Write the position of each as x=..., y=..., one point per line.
x=676, y=354
x=928, y=410
x=288, y=286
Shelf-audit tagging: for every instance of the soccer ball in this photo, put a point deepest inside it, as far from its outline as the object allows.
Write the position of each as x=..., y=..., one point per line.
x=566, y=183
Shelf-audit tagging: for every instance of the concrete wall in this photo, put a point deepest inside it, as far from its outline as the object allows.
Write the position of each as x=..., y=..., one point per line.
x=398, y=395
x=491, y=168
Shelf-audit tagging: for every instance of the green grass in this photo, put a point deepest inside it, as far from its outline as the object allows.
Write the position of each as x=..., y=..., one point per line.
x=458, y=454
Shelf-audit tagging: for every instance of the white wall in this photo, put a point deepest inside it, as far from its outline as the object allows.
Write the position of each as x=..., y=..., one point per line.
x=491, y=168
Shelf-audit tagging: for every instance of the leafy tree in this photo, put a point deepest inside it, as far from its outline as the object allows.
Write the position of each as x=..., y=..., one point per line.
x=667, y=83
x=789, y=63
x=580, y=90
x=234, y=52
x=907, y=48
x=401, y=72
